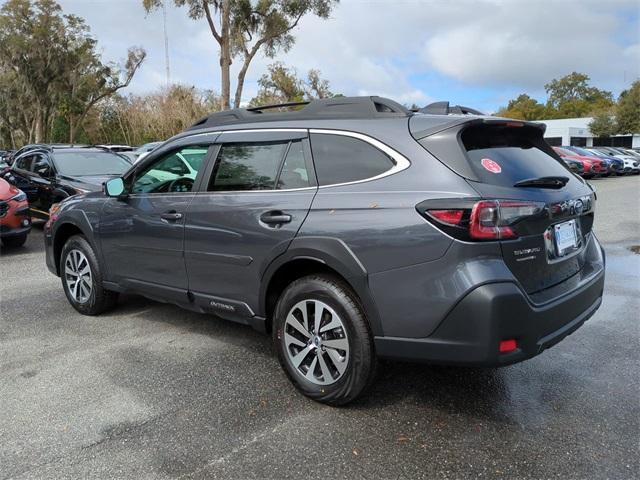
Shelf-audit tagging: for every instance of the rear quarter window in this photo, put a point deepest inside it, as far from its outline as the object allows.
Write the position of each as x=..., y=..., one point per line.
x=506, y=155
x=342, y=159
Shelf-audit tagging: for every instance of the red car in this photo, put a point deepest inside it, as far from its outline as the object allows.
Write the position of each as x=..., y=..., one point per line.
x=15, y=219
x=591, y=166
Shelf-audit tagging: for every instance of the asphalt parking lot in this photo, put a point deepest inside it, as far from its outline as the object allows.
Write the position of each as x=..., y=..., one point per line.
x=152, y=391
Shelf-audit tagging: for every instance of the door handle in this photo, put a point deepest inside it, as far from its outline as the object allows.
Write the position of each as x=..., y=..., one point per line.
x=275, y=218
x=171, y=216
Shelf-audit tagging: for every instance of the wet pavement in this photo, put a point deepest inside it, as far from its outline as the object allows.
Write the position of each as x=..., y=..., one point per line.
x=152, y=391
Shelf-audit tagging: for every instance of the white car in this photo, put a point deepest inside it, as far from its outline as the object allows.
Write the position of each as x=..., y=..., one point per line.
x=145, y=150
x=182, y=165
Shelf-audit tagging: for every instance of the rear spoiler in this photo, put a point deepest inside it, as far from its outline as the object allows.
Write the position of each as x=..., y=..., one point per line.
x=495, y=121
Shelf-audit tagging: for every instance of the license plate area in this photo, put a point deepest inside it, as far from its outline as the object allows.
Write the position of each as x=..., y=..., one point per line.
x=566, y=238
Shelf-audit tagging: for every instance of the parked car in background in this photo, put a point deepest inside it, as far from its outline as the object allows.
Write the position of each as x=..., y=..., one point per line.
x=5, y=155
x=591, y=166
x=615, y=165
x=117, y=148
x=15, y=219
x=48, y=174
x=351, y=228
x=144, y=150
x=630, y=151
x=630, y=164
x=574, y=165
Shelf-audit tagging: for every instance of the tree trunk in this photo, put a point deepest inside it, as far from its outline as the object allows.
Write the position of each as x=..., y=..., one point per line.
x=225, y=55
x=72, y=130
x=39, y=127
x=241, y=75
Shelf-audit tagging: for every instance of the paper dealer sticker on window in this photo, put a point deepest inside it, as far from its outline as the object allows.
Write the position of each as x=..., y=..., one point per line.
x=490, y=165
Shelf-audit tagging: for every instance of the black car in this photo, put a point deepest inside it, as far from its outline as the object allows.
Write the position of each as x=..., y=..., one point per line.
x=350, y=229
x=48, y=174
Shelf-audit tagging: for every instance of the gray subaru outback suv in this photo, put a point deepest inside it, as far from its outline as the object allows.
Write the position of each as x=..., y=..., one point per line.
x=351, y=229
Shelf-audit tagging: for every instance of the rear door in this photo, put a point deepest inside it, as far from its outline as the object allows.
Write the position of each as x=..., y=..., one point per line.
x=511, y=163
x=253, y=200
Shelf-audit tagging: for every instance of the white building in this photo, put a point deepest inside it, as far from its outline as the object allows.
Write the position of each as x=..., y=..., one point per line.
x=575, y=131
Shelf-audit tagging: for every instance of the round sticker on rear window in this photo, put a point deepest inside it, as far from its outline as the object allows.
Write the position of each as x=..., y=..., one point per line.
x=490, y=165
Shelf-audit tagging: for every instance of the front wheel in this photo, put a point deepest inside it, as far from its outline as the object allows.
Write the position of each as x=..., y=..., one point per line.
x=323, y=340
x=82, y=278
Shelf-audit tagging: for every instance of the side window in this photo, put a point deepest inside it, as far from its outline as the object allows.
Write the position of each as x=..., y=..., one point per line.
x=41, y=166
x=247, y=166
x=340, y=159
x=174, y=172
x=294, y=172
x=25, y=162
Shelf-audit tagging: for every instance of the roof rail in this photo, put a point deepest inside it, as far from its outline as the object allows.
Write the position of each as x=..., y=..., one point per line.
x=329, y=108
x=443, y=108
x=277, y=105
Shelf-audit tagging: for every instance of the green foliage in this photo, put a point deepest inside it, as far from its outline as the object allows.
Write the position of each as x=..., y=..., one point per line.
x=244, y=27
x=571, y=96
x=50, y=68
x=603, y=124
x=628, y=110
x=281, y=85
x=523, y=108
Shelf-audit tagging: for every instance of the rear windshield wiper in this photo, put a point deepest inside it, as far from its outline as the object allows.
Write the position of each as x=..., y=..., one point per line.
x=543, y=182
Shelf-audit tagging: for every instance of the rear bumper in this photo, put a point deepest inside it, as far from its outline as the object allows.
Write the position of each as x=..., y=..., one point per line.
x=471, y=333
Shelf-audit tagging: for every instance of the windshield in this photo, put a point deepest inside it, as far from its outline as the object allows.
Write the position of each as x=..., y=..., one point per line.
x=581, y=151
x=78, y=164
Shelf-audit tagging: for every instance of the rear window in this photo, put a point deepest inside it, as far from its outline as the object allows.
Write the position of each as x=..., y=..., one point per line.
x=506, y=155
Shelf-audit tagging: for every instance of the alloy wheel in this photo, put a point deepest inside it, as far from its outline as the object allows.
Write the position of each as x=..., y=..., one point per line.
x=77, y=274
x=316, y=342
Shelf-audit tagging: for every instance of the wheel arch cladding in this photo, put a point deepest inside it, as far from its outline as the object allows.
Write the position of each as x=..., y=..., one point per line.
x=309, y=255
x=62, y=234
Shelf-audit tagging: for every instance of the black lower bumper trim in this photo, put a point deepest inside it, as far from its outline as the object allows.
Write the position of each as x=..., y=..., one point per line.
x=471, y=333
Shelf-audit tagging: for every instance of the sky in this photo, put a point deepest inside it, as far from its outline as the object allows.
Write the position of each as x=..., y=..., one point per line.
x=477, y=53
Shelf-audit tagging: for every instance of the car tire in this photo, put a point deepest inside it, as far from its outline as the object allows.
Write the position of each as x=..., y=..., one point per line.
x=335, y=372
x=15, y=241
x=84, y=290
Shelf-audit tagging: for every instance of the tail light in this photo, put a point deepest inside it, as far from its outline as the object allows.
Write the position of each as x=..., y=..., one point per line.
x=483, y=220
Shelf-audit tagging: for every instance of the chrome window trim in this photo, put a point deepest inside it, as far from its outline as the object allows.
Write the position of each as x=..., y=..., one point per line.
x=401, y=162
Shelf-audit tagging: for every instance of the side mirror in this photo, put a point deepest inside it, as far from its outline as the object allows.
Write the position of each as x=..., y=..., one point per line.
x=114, y=187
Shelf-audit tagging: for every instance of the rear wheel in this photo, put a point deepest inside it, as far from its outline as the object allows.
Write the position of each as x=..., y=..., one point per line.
x=82, y=278
x=14, y=241
x=323, y=340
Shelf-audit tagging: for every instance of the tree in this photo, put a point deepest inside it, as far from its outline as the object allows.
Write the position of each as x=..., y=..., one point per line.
x=572, y=96
x=603, y=124
x=524, y=108
x=52, y=62
x=137, y=119
x=628, y=110
x=90, y=81
x=33, y=44
x=243, y=27
x=281, y=85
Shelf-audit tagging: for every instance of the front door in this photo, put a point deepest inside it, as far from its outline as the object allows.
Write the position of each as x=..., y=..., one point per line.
x=142, y=234
x=254, y=199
